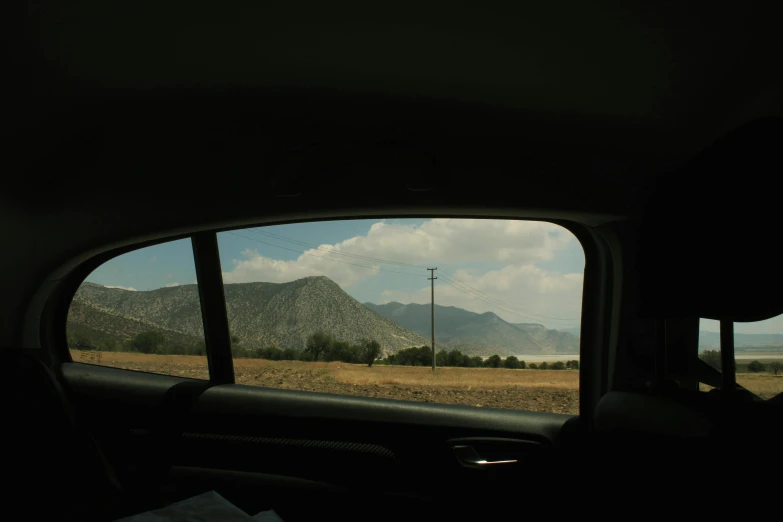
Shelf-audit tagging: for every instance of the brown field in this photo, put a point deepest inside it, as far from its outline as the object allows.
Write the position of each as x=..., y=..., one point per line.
x=532, y=390
x=536, y=390
x=765, y=385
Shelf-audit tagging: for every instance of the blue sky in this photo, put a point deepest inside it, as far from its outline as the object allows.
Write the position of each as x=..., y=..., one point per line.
x=523, y=271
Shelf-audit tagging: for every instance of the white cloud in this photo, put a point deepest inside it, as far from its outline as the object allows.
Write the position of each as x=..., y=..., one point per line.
x=437, y=240
x=530, y=294
x=128, y=288
x=172, y=285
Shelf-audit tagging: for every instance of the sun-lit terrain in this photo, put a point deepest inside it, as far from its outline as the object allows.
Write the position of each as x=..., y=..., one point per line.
x=538, y=390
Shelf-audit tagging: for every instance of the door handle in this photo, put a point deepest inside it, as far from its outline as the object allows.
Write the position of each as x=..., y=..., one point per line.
x=468, y=456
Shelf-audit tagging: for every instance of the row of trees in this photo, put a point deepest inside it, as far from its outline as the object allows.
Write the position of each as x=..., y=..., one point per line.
x=712, y=357
x=319, y=347
x=422, y=356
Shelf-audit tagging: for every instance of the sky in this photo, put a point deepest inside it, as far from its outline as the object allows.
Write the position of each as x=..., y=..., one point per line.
x=524, y=271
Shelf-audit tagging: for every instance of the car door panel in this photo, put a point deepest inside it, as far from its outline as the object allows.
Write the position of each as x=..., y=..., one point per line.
x=188, y=436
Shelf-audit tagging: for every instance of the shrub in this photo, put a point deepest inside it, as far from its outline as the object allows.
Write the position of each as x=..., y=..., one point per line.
x=317, y=344
x=756, y=367
x=370, y=350
x=511, y=363
x=493, y=361
x=148, y=342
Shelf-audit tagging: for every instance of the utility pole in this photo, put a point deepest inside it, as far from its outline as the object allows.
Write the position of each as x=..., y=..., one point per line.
x=433, y=278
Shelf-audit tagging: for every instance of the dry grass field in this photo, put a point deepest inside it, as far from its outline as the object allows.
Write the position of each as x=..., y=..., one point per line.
x=534, y=390
x=537, y=390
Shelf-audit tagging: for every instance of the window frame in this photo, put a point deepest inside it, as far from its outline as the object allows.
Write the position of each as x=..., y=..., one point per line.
x=599, y=299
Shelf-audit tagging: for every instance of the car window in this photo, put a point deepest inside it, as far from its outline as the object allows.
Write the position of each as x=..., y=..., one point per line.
x=758, y=353
x=141, y=311
x=346, y=307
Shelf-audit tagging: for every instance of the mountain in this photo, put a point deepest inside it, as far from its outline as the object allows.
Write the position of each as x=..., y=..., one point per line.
x=576, y=331
x=760, y=342
x=563, y=342
x=477, y=334
x=107, y=326
x=260, y=314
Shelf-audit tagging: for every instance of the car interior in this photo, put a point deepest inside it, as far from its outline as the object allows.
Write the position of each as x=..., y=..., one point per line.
x=652, y=132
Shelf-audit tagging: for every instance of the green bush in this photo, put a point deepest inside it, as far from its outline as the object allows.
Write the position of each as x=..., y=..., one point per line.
x=288, y=354
x=493, y=361
x=512, y=363
x=317, y=344
x=756, y=367
x=148, y=342
x=559, y=365
x=370, y=350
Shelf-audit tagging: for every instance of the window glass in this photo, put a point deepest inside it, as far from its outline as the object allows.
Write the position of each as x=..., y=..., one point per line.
x=141, y=311
x=345, y=307
x=758, y=353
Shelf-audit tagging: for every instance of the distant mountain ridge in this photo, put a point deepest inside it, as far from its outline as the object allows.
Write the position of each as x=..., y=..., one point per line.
x=260, y=314
x=478, y=334
x=711, y=340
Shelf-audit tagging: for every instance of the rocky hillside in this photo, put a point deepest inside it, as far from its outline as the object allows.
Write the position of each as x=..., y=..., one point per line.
x=103, y=326
x=561, y=342
x=260, y=314
x=478, y=334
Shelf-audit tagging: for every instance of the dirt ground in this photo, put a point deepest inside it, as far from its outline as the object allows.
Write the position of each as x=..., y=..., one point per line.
x=532, y=390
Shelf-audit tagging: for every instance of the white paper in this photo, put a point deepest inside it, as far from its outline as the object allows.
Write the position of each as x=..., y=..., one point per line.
x=207, y=507
x=267, y=516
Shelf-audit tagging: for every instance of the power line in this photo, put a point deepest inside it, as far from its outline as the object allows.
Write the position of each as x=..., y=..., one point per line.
x=503, y=303
x=432, y=281
x=494, y=305
x=451, y=280
x=324, y=257
x=333, y=251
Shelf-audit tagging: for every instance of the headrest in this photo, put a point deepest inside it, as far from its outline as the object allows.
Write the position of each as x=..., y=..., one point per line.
x=712, y=231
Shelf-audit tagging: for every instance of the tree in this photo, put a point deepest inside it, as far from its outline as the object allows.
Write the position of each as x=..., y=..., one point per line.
x=148, y=342
x=711, y=357
x=337, y=351
x=317, y=344
x=457, y=358
x=775, y=366
x=475, y=362
x=756, y=367
x=559, y=365
x=522, y=365
x=421, y=356
x=493, y=361
x=371, y=350
x=288, y=354
x=82, y=342
x=544, y=366
x=511, y=363
x=574, y=365
x=533, y=366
